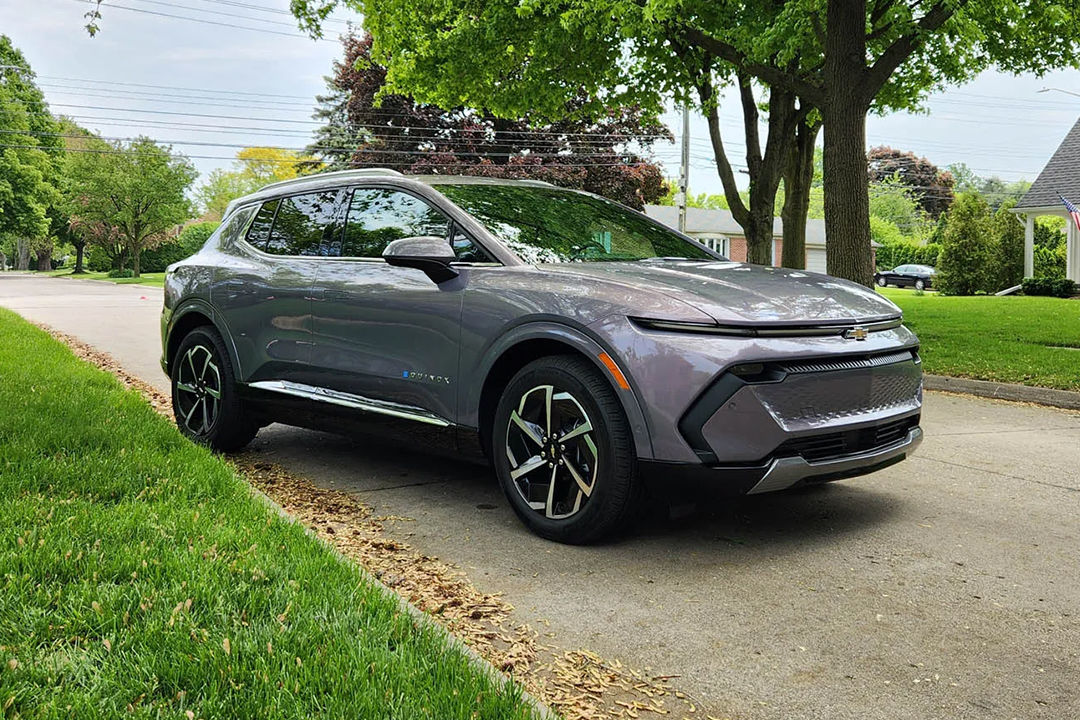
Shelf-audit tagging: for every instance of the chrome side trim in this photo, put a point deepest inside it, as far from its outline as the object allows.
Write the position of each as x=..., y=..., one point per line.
x=785, y=472
x=357, y=402
x=826, y=365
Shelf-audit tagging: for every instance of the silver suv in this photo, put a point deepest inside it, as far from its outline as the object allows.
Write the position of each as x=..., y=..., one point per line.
x=582, y=347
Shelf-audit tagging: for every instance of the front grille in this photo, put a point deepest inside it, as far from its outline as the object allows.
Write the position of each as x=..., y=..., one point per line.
x=858, y=363
x=832, y=445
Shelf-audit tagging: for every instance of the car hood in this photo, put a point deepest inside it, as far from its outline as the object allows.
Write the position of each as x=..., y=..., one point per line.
x=740, y=293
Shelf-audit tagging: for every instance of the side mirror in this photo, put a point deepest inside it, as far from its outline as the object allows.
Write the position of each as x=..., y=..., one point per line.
x=431, y=254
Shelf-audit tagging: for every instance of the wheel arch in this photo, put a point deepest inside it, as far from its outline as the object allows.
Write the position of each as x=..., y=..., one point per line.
x=527, y=343
x=186, y=318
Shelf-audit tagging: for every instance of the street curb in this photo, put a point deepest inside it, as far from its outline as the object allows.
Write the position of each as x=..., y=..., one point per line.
x=1065, y=399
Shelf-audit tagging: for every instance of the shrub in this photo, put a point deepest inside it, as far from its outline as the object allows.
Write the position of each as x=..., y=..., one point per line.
x=189, y=242
x=125, y=273
x=967, y=262
x=1009, y=233
x=906, y=252
x=1053, y=287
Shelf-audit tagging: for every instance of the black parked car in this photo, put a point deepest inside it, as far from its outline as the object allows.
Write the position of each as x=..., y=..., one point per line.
x=918, y=276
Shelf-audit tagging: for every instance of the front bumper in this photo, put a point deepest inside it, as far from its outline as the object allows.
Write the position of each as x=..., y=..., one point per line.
x=786, y=472
x=782, y=473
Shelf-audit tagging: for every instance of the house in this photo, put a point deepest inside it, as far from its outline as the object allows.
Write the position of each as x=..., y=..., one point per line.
x=1061, y=176
x=718, y=230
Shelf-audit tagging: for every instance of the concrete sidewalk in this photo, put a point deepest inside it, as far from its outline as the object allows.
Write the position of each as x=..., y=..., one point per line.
x=944, y=587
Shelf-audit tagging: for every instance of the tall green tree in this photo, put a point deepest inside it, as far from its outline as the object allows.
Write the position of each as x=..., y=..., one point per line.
x=1009, y=235
x=968, y=263
x=29, y=143
x=842, y=58
x=137, y=190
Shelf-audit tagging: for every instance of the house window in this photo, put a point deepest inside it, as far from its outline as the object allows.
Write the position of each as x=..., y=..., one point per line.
x=717, y=243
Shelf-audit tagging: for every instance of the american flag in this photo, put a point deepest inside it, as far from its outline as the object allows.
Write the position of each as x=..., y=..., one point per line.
x=1074, y=213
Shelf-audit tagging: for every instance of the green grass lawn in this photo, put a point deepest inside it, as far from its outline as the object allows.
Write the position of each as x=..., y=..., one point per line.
x=1029, y=340
x=139, y=577
x=155, y=279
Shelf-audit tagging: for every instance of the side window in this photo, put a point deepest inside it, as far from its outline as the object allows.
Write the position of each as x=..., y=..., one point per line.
x=377, y=216
x=304, y=224
x=466, y=250
x=259, y=232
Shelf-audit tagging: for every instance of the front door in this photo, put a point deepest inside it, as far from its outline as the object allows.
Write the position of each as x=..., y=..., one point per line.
x=382, y=333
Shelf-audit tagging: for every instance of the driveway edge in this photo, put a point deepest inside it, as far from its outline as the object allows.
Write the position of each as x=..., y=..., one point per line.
x=1065, y=399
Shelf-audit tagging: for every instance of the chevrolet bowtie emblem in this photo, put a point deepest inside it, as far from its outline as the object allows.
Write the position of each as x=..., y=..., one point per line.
x=856, y=333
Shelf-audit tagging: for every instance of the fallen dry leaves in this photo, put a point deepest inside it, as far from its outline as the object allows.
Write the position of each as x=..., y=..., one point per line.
x=578, y=684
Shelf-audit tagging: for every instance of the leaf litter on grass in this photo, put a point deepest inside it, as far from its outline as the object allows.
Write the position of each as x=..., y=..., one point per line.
x=578, y=684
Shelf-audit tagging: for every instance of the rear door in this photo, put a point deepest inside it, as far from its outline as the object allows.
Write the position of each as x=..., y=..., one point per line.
x=264, y=291
x=383, y=333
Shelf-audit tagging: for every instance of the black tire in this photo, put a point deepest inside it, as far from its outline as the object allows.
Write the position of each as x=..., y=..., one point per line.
x=920, y=285
x=194, y=383
x=882, y=282
x=610, y=461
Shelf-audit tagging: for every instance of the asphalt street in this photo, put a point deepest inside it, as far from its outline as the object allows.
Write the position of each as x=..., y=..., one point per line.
x=944, y=587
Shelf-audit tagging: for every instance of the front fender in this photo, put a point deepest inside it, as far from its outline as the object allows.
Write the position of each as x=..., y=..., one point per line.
x=578, y=338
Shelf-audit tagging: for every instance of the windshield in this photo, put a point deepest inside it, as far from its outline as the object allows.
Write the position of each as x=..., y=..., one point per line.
x=544, y=225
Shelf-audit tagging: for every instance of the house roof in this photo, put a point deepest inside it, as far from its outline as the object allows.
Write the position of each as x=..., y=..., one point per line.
x=1060, y=176
x=705, y=221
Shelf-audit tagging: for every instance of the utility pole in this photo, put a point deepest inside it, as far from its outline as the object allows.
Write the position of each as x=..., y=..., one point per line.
x=684, y=168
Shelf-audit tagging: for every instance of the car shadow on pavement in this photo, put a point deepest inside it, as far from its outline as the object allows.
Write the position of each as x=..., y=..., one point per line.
x=443, y=493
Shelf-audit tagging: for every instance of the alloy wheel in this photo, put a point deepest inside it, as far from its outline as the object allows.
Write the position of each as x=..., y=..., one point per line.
x=552, y=452
x=198, y=385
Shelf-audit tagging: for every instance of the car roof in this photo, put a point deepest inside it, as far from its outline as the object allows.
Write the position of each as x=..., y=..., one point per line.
x=318, y=181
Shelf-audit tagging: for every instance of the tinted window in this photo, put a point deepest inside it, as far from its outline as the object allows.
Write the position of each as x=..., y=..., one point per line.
x=234, y=224
x=466, y=250
x=259, y=232
x=378, y=216
x=304, y=224
x=546, y=225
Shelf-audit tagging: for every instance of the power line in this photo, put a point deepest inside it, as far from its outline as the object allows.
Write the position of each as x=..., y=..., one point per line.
x=218, y=12
x=208, y=22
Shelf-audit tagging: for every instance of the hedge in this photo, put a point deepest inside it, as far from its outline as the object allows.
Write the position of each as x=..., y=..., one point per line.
x=889, y=255
x=1053, y=287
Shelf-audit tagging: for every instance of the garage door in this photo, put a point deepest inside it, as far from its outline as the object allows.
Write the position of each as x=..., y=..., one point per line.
x=815, y=259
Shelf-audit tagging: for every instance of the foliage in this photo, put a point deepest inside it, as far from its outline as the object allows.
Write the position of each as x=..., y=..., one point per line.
x=28, y=164
x=994, y=189
x=905, y=252
x=967, y=261
x=930, y=187
x=189, y=242
x=884, y=231
x=140, y=577
x=253, y=168
x=137, y=188
x=591, y=154
x=1014, y=338
x=893, y=200
x=125, y=273
x=1053, y=287
x=1009, y=254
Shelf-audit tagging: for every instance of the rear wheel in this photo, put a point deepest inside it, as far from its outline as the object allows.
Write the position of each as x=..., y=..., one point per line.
x=563, y=451
x=204, y=395
x=920, y=285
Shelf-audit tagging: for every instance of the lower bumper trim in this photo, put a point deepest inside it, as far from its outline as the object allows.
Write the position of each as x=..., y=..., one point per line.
x=785, y=472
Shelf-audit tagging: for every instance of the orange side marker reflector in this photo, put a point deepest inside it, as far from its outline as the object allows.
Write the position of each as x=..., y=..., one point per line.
x=616, y=373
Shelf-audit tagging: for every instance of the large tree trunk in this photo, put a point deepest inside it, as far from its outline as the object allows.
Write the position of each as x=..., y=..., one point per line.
x=44, y=260
x=22, y=254
x=847, y=195
x=79, y=248
x=758, y=231
x=798, y=177
x=135, y=261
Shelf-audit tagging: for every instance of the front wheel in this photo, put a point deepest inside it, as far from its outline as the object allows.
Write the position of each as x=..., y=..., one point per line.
x=204, y=395
x=564, y=453
x=882, y=282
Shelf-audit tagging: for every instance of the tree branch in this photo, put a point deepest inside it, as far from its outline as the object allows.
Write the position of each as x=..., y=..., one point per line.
x=750, y=124
x=894, y=55
x=723, y=168
x=766, y=73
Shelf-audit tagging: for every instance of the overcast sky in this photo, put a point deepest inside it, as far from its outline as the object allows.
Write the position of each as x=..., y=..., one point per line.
x=215, y=88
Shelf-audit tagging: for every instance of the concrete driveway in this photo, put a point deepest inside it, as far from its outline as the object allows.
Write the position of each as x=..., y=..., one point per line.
x=944, y=587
